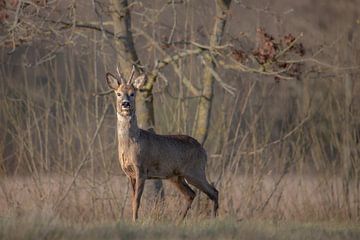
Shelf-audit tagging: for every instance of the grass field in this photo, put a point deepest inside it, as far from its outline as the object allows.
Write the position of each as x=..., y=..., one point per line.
x=43, y=208
x=40, y=227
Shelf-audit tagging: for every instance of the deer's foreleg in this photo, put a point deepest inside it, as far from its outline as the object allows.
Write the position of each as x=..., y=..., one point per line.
x=139, y=188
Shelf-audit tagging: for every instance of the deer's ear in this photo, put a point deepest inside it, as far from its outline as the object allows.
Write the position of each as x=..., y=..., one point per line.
x=112, y=81
x=140, y=81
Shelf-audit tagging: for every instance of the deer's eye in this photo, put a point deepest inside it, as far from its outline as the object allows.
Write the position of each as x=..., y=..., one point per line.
x=132, y=94
x=119, y=94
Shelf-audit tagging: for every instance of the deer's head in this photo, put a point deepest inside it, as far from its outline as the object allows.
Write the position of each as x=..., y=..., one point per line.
x=125, y=91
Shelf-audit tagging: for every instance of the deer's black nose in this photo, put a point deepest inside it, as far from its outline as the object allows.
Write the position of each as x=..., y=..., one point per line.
x=125, y=104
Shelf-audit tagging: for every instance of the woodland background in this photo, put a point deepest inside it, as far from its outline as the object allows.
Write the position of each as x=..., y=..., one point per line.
x=271, y=88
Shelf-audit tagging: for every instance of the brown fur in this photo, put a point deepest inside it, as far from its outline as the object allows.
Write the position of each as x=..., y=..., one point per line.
x=146, y=155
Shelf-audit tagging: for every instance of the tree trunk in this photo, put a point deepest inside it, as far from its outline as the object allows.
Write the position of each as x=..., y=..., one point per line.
x=126, y=57
x=205, y=102
x=124, y=44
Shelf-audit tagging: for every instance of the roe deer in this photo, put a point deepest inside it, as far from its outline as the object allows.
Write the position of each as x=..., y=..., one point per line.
x=146, y=155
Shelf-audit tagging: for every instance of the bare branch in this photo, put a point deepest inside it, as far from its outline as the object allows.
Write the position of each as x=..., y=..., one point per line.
x=243, y=68
x=102, y=93
x=230, y=89
x=282, y=52
x=86, y=25
x=171, y=61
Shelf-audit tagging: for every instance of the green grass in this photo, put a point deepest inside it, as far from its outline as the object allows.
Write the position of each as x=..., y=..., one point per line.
x=37, y=227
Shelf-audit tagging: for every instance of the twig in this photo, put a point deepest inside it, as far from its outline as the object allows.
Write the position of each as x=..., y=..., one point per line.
x=324, y=64
x=243, y=68
x=102, y=93
x=285, y=171
x=171, y=61
x=173, y=58
x=297, y=127
x=230, y=89
x=282, y=52
x=84, y=160
x=86, y=25
x=174, y=25
x=205, y=47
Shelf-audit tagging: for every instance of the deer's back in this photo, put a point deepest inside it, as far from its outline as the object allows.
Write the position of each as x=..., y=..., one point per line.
x=167, y=155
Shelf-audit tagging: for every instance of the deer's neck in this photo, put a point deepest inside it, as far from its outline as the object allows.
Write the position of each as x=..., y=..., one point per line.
x=128, y=130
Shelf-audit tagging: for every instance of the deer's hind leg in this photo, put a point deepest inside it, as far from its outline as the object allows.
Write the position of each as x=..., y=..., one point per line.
x=202, y=184
x=132, y=183
x=185, y=189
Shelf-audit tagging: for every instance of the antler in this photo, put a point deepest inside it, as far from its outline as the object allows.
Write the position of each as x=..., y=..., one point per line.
x=120, y=75
x=132, y=74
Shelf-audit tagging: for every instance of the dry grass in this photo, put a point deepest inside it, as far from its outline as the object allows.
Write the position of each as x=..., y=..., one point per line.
x=42, y=227
x=107, y=199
